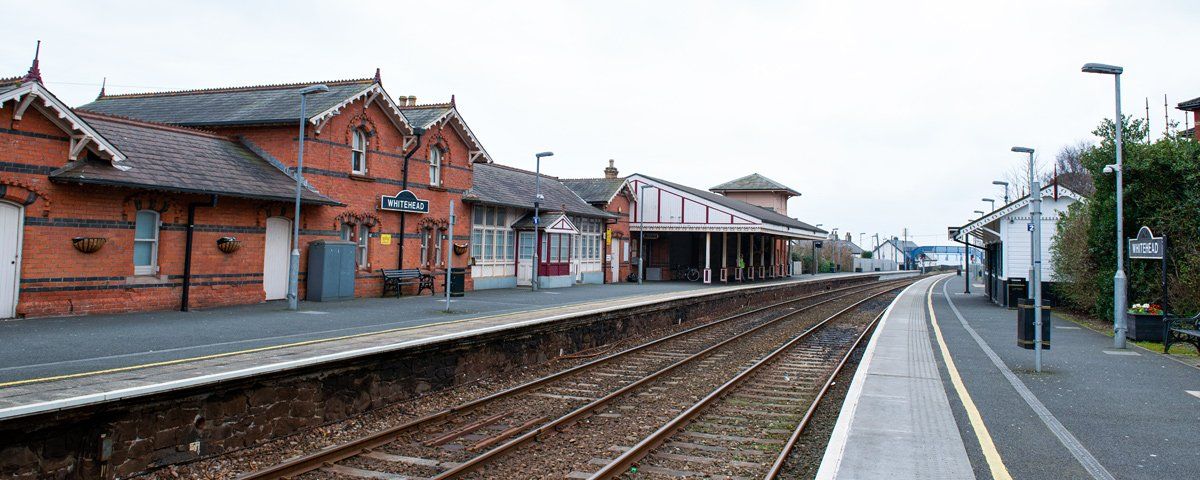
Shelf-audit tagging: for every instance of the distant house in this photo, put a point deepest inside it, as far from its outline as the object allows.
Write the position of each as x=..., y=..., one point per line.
x=896, y=250
x=944, y=255
x=758, y=190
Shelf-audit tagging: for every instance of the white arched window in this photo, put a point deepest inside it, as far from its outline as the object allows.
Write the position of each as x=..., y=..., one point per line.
x=358, y=154
x=435, y=166
x=145, y=243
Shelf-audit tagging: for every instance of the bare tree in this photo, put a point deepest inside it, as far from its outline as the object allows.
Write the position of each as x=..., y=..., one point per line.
x=1071, y=172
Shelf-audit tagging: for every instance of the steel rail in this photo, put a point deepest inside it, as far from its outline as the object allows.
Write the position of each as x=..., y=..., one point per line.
x=562, y=422
x=780, y=460
x=622, y=463
x=335, y=453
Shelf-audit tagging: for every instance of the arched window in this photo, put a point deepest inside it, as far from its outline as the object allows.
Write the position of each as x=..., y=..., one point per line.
x=358, y=154
x=435, y=166
x=145, y=243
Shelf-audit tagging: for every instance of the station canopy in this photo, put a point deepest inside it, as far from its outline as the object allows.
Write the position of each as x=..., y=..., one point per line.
x=987, y=228
x=665, y=206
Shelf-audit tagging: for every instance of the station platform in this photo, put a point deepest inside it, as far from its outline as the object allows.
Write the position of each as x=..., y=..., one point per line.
x=945, y=392
x=72, y=361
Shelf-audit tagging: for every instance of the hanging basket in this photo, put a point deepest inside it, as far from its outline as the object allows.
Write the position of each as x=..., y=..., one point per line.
x=228, y=244
x=88, y=244
x=460, y=248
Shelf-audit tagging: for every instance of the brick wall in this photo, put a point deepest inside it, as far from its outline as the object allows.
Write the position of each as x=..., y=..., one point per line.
x=56, y=279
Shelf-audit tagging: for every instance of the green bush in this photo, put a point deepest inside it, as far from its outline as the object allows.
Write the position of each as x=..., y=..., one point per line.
x=1162, y=191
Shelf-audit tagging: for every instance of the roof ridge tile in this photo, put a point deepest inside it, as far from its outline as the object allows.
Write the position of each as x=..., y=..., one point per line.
x=248, y=88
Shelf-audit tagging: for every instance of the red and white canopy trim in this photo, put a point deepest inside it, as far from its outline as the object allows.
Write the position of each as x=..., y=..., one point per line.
x=665, y=207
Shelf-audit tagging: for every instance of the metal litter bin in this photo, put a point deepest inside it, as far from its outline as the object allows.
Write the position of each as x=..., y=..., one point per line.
x=458, y=282
x=1025, y=328
x=1016, y=289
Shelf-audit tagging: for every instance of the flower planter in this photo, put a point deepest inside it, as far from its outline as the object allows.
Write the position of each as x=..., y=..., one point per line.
x=88, y=244
x=1145, y=327
x=228, y=244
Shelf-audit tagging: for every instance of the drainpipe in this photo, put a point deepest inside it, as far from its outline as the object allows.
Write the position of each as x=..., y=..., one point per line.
x=418, y=131
x=187, y=252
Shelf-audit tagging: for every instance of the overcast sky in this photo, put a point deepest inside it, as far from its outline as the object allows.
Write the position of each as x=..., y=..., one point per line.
x=885, y=115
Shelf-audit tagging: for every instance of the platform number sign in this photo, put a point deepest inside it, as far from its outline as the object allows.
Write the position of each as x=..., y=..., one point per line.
x=1029, y=226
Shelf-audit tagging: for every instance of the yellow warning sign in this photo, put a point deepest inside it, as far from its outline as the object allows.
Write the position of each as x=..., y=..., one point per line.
x=608, y=237
x=385, y=239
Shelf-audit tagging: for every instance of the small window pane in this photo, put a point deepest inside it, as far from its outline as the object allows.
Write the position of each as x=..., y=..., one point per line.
x=491, y=216
x=508, y=251
x=478, y=214
x=477, y=243
x=142, y=254
x=147, y=225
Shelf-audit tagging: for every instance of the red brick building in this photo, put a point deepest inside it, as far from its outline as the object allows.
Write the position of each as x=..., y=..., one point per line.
x=130, y=202
x=612, y=194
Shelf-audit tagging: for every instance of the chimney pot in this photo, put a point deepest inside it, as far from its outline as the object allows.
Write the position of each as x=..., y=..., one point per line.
x=611, y=171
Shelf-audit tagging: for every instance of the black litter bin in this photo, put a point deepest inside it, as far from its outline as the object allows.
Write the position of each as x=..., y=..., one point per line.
x=1017, y=289
x=1025, y=328
x=458, y=280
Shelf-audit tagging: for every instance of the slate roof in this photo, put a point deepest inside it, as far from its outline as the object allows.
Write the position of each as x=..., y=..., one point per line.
x=1189, y=105
x=753, y=183
x=512, y=187
x=595, y=190
x=9, y=84
x=766, y=214
x=176, y=159
x=424, y=115
x=268, y=104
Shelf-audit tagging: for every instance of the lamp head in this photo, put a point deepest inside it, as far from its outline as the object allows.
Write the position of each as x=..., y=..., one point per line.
x=979, y=212
x=544, y=154
x=1022, y=149
x=1110, y=168
x=988, y=199
x=1102, y=68
x=319, y=88
x=998, y=182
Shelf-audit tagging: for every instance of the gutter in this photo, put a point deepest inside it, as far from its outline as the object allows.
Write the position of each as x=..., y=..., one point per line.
x=418, y=132
x=187, y=252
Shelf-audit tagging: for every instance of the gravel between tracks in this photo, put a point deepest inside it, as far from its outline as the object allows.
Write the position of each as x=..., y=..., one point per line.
x=633, y=417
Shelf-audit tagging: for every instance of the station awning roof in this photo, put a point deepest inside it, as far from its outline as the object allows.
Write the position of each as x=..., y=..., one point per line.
x=687, y=209
x=986, y=228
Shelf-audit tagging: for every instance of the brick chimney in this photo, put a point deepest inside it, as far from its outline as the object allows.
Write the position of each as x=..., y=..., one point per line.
x=611, y=171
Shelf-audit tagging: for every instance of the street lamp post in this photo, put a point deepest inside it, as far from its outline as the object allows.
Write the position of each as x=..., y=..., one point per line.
x=1119, y=280
x=1035, y=266
x=980, y=212
x=990, y=201
x=816, y=263
x=293, y=294
x=537, y=222
x=1005, y=184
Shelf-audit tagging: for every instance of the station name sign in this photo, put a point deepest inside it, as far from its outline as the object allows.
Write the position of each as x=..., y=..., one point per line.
x=405, y=201
x=1146, y=245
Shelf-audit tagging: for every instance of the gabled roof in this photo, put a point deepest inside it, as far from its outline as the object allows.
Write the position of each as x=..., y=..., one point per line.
x=496, y=184
x=753, y=183
x=179, y=159
x=27, y=94
x=425, y=116
x=1189, y=105
x=595, y=190
x=552, y=223
x=256, y=105
x=1017, y=204
x=765, y=214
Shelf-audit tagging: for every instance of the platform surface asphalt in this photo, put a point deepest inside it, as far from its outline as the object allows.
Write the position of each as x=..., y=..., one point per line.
x=1094, y=412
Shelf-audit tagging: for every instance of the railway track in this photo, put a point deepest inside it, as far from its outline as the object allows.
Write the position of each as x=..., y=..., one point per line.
x=748, y=427
x=460, y=440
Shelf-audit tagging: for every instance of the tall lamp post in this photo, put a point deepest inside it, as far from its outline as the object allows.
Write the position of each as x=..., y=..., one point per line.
x=537, y=221
x=1005, y=185
x=293, y=294
x=816, y=263
x=1035, y=266
x=1119, y=280
x=990, y=201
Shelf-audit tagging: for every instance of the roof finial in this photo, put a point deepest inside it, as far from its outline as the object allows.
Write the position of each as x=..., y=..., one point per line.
x=103, y=83
x=451, y=99
x=378, y=78
x=35, y=74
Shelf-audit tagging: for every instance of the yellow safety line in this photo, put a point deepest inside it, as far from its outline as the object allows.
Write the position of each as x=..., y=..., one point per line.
x=296, y=344
x=995, y=463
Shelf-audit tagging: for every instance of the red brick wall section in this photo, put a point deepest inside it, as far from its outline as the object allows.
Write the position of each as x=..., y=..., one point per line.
x=56, y=279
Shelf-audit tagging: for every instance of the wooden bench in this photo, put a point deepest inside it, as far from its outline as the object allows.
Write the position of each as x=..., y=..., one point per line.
x=1181, y=330
x=394, y=279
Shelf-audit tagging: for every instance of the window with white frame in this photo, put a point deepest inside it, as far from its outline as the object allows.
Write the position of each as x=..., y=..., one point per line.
x=590, y=239
x=435, y=166
x=491, y=239
x=437, y=248
x=145, y=243
x=358, y=152
x=425, y=234
x=360, y=235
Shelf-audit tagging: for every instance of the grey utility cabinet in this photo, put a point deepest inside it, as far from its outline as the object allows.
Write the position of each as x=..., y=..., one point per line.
x=330, y=270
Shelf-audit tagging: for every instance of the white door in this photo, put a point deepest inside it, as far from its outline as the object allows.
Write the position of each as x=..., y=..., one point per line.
x=525, y=259
x=615, y=263
x=276, y=257
x=11, y=223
